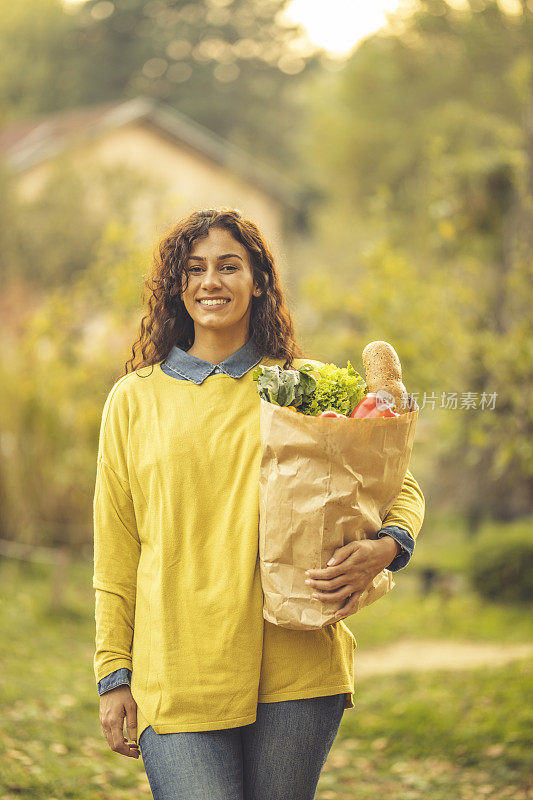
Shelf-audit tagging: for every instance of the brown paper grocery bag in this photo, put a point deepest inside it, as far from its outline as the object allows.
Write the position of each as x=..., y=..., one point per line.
x=323, y=482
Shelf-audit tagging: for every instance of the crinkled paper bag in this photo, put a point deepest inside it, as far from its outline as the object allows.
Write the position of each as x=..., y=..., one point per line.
x=323, y=482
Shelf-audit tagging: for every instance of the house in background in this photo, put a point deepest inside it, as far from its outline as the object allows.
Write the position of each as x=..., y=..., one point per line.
x=195, y=167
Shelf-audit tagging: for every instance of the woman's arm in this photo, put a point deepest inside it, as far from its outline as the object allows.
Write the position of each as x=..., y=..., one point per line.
x=117, y=551
x=117, y=545
x=403, y=523
x=116, y=557
x=407, y=511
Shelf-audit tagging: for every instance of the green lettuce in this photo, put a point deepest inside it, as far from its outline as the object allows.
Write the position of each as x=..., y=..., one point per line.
x=311, y=389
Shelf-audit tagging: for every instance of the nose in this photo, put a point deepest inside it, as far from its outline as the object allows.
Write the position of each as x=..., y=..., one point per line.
x=211, y=279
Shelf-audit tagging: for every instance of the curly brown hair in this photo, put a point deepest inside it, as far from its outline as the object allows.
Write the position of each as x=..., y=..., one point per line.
x=168, y=322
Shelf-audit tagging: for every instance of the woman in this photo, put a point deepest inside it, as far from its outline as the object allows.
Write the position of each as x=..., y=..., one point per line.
x=227, y=706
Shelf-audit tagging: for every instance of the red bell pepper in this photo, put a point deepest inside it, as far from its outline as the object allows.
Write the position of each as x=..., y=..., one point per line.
x=372, y=406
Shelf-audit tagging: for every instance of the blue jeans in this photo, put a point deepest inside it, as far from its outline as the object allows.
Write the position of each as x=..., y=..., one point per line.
x=278, y=757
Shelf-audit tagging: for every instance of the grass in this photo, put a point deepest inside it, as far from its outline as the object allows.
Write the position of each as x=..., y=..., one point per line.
x=414, y=737
x=435, y=735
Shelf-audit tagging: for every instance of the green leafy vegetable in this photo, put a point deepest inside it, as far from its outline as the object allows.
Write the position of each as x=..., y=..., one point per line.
x=284, y=387
x=311, y=389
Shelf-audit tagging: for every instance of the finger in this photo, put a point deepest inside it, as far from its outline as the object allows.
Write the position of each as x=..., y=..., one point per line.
x=120, y=744
x=131, y=721
x=130, y=749
x=342, y=553
x=328, y=585
x=356, y=578
x=124, y=749
x=131, y=727
x=326, y=573
x=134, y=750
x=339, y=567
x=117, y=735
x=349, y=607
x=333, y=597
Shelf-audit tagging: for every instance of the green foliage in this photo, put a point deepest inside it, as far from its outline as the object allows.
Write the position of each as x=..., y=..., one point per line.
x=36, y=71
x=56, y=375
x=73, y=259
x=502, y=569
x=49, y=237
x=425, y=160
x=216, y=63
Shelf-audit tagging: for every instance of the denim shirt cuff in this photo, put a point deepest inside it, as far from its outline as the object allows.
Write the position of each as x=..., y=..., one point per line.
x=116, y=678
x=406, y=542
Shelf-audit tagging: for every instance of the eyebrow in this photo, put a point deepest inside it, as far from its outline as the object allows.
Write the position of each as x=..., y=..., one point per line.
x=226, y=255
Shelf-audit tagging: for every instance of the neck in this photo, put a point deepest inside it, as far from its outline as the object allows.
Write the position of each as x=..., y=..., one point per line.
x=215, y=346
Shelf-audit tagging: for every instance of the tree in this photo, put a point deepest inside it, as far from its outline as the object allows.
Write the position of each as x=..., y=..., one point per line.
x=423, y=141
x=48, y=240
x=56, y=374
x=36, y=70
x=233, y=65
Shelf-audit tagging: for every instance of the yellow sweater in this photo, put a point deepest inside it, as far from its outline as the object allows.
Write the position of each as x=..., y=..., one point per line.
x=178, y=597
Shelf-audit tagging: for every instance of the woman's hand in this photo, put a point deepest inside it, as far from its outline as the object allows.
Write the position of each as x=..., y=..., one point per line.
x=115, y=705
x=356, y=565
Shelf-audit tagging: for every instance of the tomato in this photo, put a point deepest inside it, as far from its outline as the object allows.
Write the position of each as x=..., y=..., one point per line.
x=368, y=407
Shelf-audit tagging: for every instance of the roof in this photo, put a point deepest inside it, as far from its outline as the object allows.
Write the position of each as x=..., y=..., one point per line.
x=27, y=143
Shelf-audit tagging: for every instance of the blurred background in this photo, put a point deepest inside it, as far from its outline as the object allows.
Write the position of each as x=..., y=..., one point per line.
x=385, y=148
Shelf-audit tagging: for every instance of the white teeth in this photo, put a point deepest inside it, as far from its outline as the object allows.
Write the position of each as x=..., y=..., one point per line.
x=213, y=302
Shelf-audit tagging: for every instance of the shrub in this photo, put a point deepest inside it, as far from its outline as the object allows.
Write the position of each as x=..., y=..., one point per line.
x=502, y=569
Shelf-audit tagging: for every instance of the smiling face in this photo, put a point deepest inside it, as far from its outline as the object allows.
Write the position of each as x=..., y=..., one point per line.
x=219, y=268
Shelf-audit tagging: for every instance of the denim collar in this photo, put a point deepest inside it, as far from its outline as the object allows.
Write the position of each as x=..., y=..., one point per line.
x=197, y=370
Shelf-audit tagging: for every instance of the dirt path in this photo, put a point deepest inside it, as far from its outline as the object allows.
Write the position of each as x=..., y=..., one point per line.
x=425, y=655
